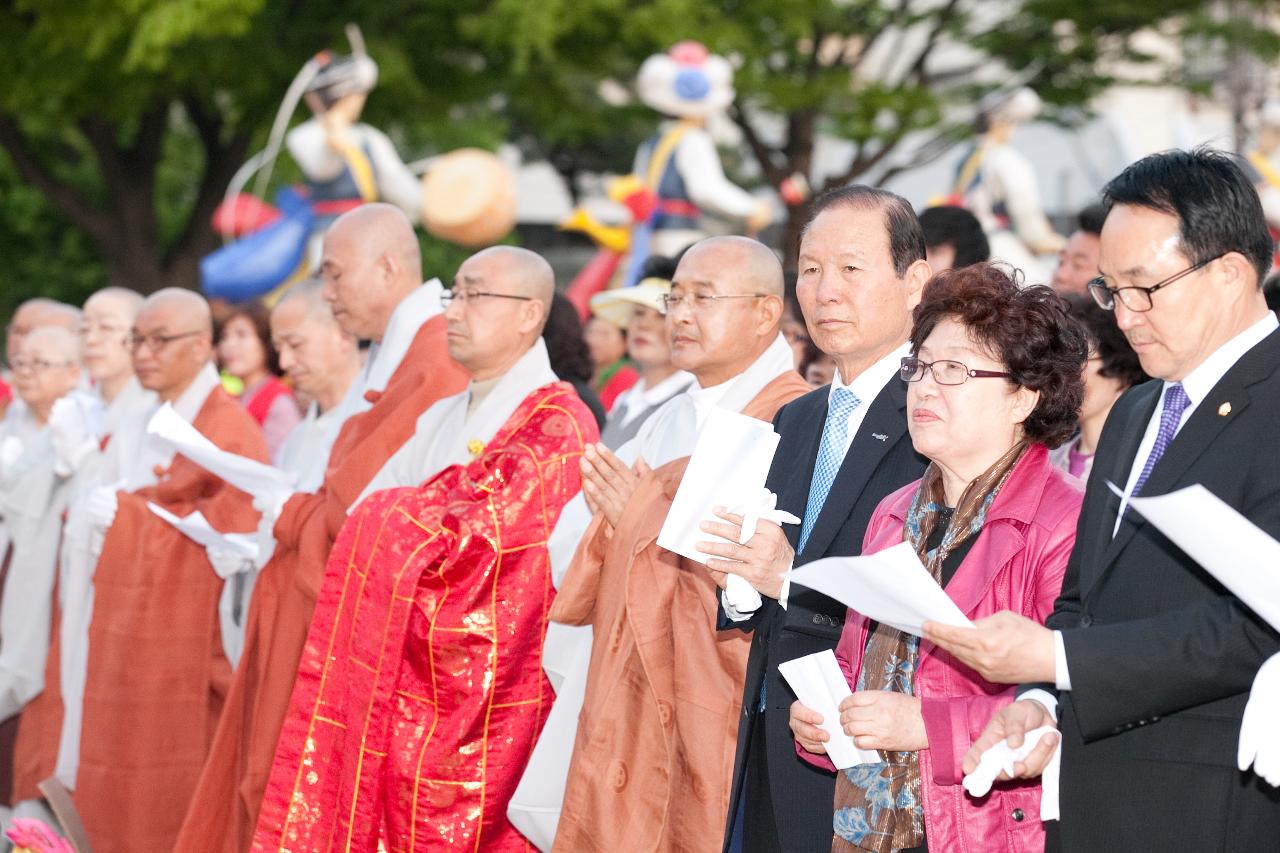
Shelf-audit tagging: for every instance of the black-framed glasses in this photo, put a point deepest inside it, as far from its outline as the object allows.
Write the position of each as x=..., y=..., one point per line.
x=156, y=341
x=945, y=371
x=1137, y=298
x=698, y=301
x=462, y=297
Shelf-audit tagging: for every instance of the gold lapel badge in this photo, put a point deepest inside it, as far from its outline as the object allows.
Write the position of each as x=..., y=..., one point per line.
x=1224, y=410
x=475, y=446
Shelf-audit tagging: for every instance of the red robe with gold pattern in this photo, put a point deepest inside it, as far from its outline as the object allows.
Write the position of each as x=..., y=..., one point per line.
x=420, y=693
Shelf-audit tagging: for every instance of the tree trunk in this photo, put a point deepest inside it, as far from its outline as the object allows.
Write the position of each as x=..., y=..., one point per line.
x=799, y=153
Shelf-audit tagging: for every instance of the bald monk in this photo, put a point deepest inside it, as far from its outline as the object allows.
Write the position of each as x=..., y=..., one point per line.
x=156, y=674
x=107, y=320
x=31, y=314
x=420, y=693
x=372, y=276
x=655, y=739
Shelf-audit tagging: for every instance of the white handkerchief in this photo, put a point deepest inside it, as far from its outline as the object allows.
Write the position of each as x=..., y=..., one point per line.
x=197, y=528
x=1259, y=735
x=819, y=684
x=731, y=459
x=891, y=586
x=269, y=485
x=1001, y=758
x=763, y=506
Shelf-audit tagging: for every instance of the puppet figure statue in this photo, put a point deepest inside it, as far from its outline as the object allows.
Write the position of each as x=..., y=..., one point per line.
x=998, y=184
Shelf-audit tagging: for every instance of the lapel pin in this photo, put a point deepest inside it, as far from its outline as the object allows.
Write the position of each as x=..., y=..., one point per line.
x=1224, y=410
x=879, y=436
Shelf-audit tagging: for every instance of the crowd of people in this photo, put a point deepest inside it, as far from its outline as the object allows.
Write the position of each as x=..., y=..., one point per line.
x=456, y=629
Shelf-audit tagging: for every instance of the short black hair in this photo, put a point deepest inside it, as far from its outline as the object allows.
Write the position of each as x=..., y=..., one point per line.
x=948, y=225
x=1090, y=219
x=906, y=237
x=1216, y=205
x=1271, y=292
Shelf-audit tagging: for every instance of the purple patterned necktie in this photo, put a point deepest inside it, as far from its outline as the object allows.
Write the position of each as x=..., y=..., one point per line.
x=1175, y=403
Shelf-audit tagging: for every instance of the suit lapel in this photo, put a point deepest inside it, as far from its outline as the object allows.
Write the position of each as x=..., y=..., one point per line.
x=1226, y=402
x=795, y=494
x=884, y=425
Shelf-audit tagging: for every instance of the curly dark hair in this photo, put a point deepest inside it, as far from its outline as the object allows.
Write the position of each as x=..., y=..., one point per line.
x=1028, y=329
x=1119, y=361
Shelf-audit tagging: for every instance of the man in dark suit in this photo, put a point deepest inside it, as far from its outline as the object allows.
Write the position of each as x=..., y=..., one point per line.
x=842, y=449
x=1152, y=660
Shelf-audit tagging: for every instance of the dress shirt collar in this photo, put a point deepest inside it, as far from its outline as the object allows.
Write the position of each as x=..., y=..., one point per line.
x=1200, y=381
x=868, y=384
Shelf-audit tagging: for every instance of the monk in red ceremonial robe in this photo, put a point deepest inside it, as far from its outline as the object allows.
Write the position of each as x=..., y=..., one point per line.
x=658, y=726
x=156, y=674
x=372, y=272
x=420, y=690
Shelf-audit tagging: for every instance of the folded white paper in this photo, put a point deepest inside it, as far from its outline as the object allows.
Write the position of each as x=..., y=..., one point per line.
x=731, y=459
x=891, y=586
x=269, y=485
x=1001, y=757
x=1259, y=736
x=819, y=684
x=197, y=528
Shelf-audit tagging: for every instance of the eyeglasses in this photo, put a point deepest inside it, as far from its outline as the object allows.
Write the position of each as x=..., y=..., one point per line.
x=945, y=371
x=464, y=296
x=1136, y=298
x=156, y=341
x=36, y=365
x=702, y=301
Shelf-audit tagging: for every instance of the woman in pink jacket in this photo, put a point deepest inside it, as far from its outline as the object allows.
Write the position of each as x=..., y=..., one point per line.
x=994, y=382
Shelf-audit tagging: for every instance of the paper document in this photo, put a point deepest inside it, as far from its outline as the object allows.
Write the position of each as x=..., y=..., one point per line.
x=730, y=461
x=1243, y=557
x=269, y=485
x=197, y=528
x=891, y=586
x=819, y=684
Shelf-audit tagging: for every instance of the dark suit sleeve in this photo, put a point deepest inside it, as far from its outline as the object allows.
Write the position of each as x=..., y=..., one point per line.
x=1137, y=671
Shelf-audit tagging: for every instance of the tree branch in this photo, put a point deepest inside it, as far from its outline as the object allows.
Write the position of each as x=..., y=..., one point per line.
x=221, y=161
x=68, y=200
x=763, y=153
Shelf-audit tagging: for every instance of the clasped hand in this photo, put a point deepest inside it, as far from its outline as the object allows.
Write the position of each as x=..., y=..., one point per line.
x=761, y=561
x=875, y=719
x=607, y=482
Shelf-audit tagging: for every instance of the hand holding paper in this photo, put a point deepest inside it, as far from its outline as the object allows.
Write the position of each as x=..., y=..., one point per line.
x=265, y=483
x=819, y=684
x=891, y=586
x=762, y=506
x=229, y=546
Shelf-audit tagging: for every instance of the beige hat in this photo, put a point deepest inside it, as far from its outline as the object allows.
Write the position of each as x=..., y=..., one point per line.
x=615, y=305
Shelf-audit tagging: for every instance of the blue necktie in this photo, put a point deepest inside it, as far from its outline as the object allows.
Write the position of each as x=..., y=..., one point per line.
x=830, y=457
x=1175, y=403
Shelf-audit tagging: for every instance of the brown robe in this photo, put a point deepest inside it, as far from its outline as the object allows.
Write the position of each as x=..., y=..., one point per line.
x=225, y=808
x=157, y=675
x=653, y=759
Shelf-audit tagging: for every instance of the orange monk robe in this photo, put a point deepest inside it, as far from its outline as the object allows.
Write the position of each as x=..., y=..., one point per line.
x=653, y=758
x=225, y=807
x=420, y=692
x=157, y=675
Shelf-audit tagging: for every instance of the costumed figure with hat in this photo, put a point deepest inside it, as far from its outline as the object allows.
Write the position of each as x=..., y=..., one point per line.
x=998, y=184
x=466, y=196
x=1264, y=161
x=677, y=175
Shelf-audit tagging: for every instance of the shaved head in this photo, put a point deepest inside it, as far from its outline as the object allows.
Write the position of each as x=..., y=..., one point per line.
x=527, y=272
x=371, y=262
x=39, y=311
x=752, y=262
x=109, y=315
x=320, y=359
x=309, y=295
x=54, y=343
x=183, y=304
x=127, y=302
x=500, y=301
x=46, y=368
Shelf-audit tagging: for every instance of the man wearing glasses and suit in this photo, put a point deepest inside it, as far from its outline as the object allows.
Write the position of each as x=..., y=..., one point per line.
x=843, y=448
x=1147, y=661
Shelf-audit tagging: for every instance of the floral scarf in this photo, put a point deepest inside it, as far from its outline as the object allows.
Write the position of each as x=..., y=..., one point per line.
x=878, y=806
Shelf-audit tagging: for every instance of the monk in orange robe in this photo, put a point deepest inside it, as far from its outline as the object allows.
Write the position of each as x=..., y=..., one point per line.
x=372, y=272
x=653, y=755
x=420, y=690
x=157, y=674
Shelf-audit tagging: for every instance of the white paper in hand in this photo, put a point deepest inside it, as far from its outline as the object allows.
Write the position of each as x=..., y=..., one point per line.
x=819, y=684
x=730, y=460
x=197, y=528
x=763, y=506
x=1001, y=757
x=1259, y=737
x=891, y=586
x=263, y=482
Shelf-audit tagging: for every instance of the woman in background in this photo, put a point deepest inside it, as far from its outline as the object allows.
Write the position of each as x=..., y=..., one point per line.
x=245, y=353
